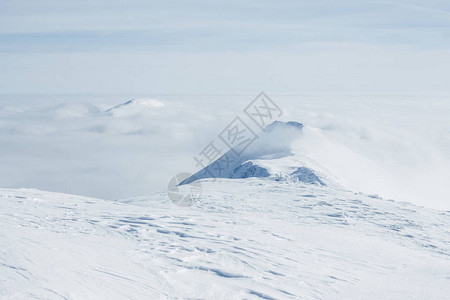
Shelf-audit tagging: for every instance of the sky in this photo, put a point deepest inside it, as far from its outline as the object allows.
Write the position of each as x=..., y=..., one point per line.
x=232, y=47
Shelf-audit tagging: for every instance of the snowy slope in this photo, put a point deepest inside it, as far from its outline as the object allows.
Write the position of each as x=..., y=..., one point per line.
x=246, y=238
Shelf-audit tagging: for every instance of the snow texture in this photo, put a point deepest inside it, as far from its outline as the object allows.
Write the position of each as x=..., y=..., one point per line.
x=249, y=238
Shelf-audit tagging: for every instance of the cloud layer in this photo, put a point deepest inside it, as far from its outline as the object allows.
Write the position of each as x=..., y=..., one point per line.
x=233, y=47
x=394, y=146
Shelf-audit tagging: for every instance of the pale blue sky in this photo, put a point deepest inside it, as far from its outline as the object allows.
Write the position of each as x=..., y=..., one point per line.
x=145, y=47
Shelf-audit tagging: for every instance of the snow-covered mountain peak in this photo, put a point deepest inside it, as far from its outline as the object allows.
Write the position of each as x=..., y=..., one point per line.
x=283, y=125
x=137, y=104
x=270, y=155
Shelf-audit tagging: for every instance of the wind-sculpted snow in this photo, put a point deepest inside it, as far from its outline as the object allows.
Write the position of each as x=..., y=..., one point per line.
x=306, y=175
x=248, y=169
x=246, y=238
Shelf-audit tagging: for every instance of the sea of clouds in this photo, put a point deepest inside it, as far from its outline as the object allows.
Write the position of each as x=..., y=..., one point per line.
x=113, y=148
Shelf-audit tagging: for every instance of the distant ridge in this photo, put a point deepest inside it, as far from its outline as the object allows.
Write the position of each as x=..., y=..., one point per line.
x=148, y=102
